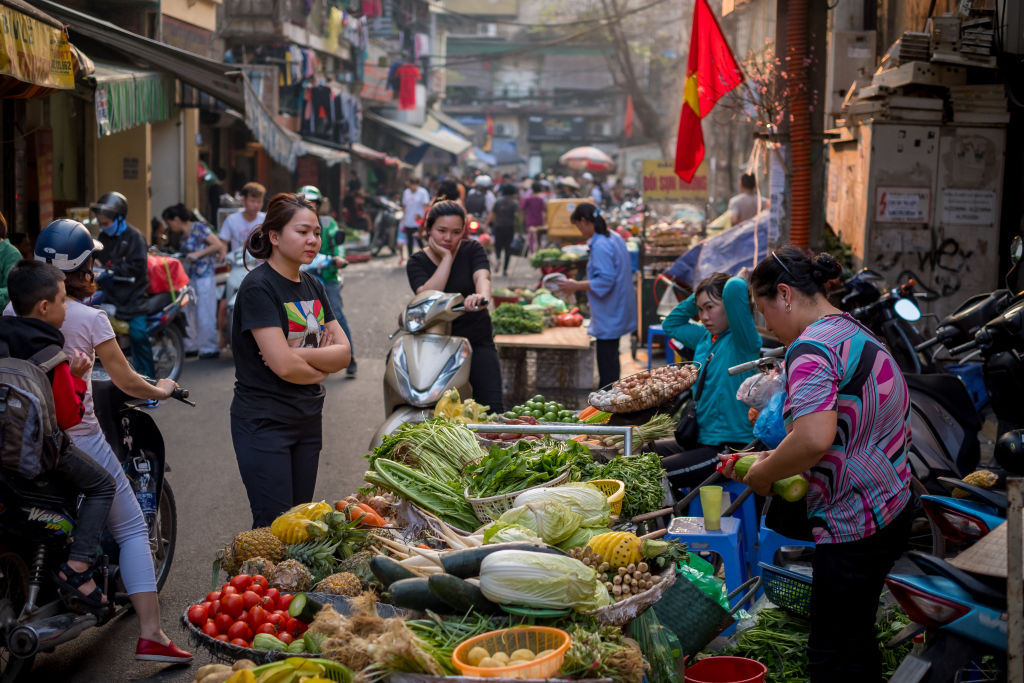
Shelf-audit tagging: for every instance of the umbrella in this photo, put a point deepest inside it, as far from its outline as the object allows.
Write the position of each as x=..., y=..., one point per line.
x=587, y=159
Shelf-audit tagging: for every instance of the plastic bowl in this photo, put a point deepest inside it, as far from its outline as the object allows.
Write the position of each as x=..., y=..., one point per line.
x=615, y=490
x=726, y=670
x=536, y=638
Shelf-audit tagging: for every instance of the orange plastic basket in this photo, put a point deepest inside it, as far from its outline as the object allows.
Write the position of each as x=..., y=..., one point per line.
x=536, y=638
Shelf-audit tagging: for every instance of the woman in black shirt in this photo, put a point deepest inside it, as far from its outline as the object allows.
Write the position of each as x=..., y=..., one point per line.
x=503, y=222
x=450, y=263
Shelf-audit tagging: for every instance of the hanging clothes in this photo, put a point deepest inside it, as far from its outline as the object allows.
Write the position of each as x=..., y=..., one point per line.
x=421, y=45
x=408, y=77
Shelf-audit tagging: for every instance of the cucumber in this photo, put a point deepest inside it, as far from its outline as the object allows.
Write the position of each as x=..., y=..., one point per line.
x=265, y=641
x=465, y=564
x=415, y=594
x=460, y=595
x=791, y=488
x=296, y=647
x=304, y=608
x=388, y=571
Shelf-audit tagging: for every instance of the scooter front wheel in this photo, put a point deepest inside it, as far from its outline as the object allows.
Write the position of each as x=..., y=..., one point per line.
x=168, y=353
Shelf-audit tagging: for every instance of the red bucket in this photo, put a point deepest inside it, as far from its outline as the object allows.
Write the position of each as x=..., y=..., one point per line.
x=726, y=670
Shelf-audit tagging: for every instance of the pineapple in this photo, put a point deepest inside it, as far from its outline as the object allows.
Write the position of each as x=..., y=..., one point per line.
x=617, y=548
x=359, y=564
x=291, y=576
x=295, y=529
x=317, y=556
x=256, y=565
x=984, y=479
x=249, y=544
x=342, y=583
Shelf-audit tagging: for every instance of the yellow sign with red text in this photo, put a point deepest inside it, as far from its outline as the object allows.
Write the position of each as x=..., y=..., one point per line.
x=34, y=52
x=661, y=184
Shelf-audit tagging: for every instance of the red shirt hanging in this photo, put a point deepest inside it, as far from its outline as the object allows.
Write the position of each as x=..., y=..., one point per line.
x=408, y=77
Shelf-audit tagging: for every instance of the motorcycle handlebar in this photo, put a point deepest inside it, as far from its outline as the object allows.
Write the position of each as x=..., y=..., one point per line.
x=925, y=345
x=964, y=348
x=767, y=357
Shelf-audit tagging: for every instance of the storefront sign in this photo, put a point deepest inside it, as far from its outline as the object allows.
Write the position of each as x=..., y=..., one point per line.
x=130, y=168
x=661, y=184
x=34, y=52
x=968, y=207
x=903, y=204
x=559, y=128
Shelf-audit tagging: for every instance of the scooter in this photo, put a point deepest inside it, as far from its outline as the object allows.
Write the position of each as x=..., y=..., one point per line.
x=37, y=517
x=386, y=221
x=963, y=617
x=239, y=270
x=425, y=360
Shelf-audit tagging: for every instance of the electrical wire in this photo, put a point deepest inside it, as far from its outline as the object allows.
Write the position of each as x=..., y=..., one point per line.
x=510, y=22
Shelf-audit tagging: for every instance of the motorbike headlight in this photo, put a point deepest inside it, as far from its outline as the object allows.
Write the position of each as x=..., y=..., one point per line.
x=415, y=316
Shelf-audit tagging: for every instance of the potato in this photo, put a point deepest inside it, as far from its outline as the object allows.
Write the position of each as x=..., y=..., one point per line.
x=488, y=663
x=243, y=664
x=218, y=676
x=208, y=669
x=500, y=657
x=544, y=653
x=476, y=655
x=522, y=655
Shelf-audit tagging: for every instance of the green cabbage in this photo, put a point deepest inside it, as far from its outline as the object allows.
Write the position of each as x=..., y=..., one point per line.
x=582, y=536
x=583, y=498
x=552, y=521
x=507, y=533
x=521, y=577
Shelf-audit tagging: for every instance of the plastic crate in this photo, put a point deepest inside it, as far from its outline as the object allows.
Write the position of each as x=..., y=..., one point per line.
x=788, y=589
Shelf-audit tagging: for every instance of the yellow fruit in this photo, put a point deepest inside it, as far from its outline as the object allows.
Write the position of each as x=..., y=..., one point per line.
x=311, y=510
x=617, y=548
x=342, y=583
x=294, y=529
x=476, y=655
x=983, y=479
x=242, y=676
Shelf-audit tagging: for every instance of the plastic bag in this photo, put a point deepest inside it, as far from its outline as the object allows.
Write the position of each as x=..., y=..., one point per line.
x=701, y=574
x=757, y=389
x=770, y=427
x=660, y=646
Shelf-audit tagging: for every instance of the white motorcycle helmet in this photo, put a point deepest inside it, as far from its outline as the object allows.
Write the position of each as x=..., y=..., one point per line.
x=588, y=177
x=483, y=180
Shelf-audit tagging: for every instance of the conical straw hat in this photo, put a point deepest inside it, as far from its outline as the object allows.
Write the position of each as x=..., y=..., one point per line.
x=987, y=556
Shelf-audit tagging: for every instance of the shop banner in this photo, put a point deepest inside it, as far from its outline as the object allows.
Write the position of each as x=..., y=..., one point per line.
x=34, y=52
x=280, y=145
x=661, y=184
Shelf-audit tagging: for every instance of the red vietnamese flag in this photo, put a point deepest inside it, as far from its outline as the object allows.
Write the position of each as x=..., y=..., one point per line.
x=627, y=120
x=711, y=72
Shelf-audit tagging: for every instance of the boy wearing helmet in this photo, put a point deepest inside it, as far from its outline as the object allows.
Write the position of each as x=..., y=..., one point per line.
x=126, y=279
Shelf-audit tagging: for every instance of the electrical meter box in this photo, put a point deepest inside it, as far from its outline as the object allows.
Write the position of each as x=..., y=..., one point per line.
x=559, y=210
x=921, y=201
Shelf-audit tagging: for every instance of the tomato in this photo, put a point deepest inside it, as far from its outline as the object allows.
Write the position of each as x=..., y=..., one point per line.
x=222, y=637
x=267, y=627
x=257, y=588
x=295, y=627
x=274, y=595
x=259, y=579
x=240, y=629
x=198, y=615
x=210, y=628
x=257, y=615
x=268, y=603
x=223, y=622
x=250, y=599
x=284, y=601
x=240, y=642
x=214, y=608
x=241, y=582
x=227, y=589
x=213, y=595
x=233, y=605
x=276, y=620
x=285, y=637
x=206, y=605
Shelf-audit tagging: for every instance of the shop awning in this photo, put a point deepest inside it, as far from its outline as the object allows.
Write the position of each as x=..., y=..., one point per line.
x=365, y=152
x=417, y=135
x=35, y=56
x=216, y=78
x=331, y=156
x=127, y=97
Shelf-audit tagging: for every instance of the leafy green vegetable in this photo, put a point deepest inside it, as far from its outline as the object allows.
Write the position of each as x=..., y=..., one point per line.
x=521, y=577
x=520, y=466
x=440, y=636
x=437, y=446
x=642, y=475
x=441, y=498
x=585, y=499
x=508, y=533
x=514, y=319
x=553, y=522
x=541, y=255
x=582, y=536
x=601, y=652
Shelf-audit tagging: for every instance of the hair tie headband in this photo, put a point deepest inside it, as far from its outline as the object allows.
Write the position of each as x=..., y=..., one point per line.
x=597, y=212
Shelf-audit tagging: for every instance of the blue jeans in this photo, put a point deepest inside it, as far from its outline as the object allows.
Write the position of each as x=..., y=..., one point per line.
x=89, y=478
x=333, y=290
x=141, y=347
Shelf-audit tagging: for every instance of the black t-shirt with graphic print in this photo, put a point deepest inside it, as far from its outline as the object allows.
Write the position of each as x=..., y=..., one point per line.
x=268, y=299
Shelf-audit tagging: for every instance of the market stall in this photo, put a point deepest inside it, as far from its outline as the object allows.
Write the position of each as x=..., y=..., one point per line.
x=558, y=362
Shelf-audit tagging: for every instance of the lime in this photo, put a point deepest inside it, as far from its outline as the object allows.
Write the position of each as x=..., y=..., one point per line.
x=511, y=415
x=550, y=417
x=537, y=414
x=538, y=398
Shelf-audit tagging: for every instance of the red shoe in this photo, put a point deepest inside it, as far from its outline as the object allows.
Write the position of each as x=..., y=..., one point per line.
x=152, y=651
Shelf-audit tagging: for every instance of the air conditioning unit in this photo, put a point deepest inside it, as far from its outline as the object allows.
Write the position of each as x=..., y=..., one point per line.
x=489, y=29
x=502, y=130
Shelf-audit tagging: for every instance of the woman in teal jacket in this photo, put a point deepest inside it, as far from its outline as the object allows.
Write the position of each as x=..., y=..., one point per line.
x=725, y=336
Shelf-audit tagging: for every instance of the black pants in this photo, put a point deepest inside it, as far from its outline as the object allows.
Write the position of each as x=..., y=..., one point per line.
x=848, y=578
x=687, y=468
x=485, y=377
x=97, y=486
x=502, y=243
x=278, y=462
x=608, y=368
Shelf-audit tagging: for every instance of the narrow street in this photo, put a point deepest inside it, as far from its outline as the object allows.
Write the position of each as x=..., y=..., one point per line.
x=211, y=501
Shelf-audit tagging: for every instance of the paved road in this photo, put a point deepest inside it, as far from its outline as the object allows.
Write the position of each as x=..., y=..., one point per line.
x=211, y=501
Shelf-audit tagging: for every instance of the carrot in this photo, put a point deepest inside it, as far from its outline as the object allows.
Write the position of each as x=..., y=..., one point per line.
x=368, y=516
x=581, y=437
x=587, y=412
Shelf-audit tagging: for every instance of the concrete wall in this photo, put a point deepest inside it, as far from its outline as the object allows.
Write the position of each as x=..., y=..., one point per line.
x=201, y=13
x=109, y=171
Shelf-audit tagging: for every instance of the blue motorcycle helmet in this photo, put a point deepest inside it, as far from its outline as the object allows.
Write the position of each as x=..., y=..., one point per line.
x=67, y=244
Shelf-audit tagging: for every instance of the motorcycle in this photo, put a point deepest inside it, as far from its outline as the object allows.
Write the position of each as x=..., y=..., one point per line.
x=425, y=360
x=37, y=517
x=238, y=262
x=963, y=617
x=387, y=217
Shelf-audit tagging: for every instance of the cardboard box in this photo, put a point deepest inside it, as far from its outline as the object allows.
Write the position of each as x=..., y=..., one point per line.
x=559, y=210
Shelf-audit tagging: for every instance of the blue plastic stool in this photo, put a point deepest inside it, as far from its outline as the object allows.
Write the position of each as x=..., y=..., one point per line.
x=747, y=514
x=725, y=543
x=769, y=543
x=652, y=332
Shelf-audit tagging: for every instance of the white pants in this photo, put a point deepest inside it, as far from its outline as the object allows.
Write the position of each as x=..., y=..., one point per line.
x=201, y=315
x=125, y=521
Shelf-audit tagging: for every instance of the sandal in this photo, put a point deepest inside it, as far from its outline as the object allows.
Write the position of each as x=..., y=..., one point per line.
x=75, y=599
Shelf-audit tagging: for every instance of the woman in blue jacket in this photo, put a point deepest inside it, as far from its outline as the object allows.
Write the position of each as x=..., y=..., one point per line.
x=725, y=336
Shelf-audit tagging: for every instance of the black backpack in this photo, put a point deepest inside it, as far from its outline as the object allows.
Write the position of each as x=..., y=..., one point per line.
x=476, y=202
x=31, y=442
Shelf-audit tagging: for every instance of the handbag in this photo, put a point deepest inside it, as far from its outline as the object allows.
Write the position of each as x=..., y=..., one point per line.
x=788, y=519
x=518, y=244
x=688, y=431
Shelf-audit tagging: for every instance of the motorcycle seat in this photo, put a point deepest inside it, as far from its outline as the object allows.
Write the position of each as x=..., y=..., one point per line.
x=157, y=302
x=934, y=566
x=949, y=391
x=44, y=491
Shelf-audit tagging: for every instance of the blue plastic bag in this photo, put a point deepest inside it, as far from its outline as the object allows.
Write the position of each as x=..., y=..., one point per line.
x=770, y=427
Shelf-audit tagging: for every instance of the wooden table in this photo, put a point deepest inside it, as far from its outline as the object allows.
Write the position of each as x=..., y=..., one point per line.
x=557, y=362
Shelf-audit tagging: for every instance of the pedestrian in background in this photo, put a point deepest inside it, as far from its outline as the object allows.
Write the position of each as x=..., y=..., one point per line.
x=609, y=288
x=743, y=207
x=415, y=200
x=286, y=342
x=9, y=255
x=503, y=225
x=534, y=216
x=198, y=246
x=239, y=225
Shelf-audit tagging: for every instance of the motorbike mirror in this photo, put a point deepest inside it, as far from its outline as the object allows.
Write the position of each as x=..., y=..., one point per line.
x=1016, y=250
x=908, y=310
